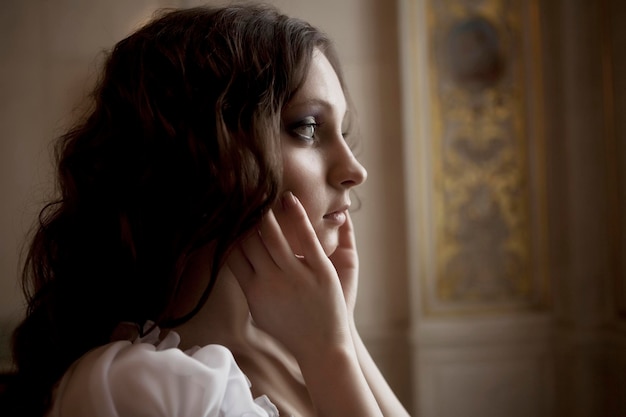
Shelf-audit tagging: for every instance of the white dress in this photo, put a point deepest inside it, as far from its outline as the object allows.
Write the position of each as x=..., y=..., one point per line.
x=153, y=378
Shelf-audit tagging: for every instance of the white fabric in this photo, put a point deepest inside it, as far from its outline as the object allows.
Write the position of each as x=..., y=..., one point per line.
x=153, y=379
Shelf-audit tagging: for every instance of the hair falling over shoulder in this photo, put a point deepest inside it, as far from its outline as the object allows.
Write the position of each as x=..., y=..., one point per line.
x=181, y=149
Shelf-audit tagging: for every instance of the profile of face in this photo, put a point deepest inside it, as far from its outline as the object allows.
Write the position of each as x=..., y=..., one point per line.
x=319, y=167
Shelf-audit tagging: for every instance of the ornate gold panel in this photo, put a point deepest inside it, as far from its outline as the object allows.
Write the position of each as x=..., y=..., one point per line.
x=485, y=236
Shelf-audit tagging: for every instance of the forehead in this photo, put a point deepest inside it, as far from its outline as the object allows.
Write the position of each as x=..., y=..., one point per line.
x=321, y=86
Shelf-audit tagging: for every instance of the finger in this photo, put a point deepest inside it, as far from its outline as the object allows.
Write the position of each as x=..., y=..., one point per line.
x=275, y=241
x=309, y=243
x=257, y=254
x=346, y=234
x=345, y=255
x=240, y=266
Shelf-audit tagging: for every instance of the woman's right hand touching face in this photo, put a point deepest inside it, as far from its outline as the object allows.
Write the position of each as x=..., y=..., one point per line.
x=296, y=299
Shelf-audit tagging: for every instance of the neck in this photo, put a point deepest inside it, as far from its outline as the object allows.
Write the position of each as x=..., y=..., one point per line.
x=224, y=318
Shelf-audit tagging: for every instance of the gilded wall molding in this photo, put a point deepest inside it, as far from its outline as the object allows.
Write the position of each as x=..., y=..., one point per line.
x=487, y=212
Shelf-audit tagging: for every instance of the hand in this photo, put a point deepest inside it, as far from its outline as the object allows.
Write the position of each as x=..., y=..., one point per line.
x=297, y=300
x=346, y=262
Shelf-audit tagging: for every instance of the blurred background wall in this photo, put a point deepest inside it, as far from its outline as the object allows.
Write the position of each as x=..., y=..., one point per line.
x=514, y=132
x=491, y=232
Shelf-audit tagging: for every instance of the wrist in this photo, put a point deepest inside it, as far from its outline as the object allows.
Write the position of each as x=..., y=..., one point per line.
x=326, y=365
x=318, y=356
x=337, y=385
x=354, y=331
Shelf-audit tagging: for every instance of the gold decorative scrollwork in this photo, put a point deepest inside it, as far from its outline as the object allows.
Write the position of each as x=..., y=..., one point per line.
x=480, y=153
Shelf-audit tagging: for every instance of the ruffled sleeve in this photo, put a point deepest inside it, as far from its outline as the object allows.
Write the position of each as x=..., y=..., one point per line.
x=124, y=379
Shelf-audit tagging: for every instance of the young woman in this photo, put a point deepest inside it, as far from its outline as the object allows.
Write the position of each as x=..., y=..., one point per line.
x=200, y=260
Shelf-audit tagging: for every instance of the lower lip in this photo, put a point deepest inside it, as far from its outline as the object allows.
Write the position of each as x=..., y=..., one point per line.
x=338, y=217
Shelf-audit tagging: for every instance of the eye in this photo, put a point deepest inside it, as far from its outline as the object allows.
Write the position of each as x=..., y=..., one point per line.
x=305, y=129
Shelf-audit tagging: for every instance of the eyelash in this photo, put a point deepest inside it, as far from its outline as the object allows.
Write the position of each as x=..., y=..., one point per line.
x=308, y=122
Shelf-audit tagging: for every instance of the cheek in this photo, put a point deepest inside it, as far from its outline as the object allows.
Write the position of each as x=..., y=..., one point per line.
x=304, y=177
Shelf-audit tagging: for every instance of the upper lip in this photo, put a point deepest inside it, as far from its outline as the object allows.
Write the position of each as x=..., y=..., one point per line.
x=341, y=208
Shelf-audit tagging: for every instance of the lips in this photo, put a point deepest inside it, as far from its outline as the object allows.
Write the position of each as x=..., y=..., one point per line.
x=338, y=216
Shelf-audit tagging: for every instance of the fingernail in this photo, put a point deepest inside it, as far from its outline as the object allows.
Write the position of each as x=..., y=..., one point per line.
x=289, y=200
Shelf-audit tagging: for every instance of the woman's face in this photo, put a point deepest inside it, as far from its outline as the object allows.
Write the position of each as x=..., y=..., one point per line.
x=318, y=165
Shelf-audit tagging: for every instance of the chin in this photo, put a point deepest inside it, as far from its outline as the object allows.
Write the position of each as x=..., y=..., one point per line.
x=329, y=244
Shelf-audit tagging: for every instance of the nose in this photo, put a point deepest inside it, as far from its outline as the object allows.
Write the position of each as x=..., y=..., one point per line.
x=347, y=171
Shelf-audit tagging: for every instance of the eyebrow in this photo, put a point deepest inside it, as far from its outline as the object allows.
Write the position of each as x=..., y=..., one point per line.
x=310, y=102
x=315, y=102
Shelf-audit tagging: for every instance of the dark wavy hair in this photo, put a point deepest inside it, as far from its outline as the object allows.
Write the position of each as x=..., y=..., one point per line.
x=180, y=149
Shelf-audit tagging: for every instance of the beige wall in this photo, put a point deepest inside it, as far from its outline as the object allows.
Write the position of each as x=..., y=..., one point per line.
x=49, y=53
